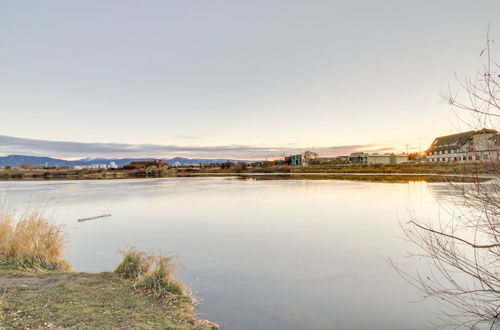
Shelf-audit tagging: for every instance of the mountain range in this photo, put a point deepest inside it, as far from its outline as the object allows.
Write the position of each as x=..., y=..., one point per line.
x=16, y=160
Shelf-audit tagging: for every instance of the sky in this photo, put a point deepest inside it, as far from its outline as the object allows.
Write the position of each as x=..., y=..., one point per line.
x=225, y=78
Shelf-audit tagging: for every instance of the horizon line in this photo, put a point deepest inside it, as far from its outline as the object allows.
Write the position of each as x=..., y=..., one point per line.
x=10, y=145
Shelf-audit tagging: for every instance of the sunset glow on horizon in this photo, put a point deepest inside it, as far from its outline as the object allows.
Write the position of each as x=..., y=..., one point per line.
x=210, y=77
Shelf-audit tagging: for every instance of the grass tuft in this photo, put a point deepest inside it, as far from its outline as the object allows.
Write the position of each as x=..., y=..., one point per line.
x=161, y=282
x=152, y=274
x=134, y=264
x=31, y=241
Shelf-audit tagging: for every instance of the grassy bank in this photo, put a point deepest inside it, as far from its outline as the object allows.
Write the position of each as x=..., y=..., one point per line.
x=422, y=172
x=71, y=174
x=87, y=301
x=410, y=168
x=388, y=178
x=38, y=290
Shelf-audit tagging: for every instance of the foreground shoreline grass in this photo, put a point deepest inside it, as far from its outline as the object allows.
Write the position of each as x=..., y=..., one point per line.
x=38, y=290
x=88, y=301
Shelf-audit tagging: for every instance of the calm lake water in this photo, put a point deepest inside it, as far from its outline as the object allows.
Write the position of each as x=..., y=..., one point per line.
x=273, y=254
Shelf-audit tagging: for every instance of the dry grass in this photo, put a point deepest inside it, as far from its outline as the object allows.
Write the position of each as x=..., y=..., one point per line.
x=6, y=226
x=161, y=282
x=31, y=240
x=153, y=274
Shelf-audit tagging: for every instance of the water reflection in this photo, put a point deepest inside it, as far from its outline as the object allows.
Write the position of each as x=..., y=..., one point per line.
x=271, y=254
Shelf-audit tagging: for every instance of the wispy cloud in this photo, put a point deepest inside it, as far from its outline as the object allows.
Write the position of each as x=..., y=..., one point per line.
x=64, y=149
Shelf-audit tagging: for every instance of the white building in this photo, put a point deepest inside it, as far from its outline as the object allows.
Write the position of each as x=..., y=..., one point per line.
x=465, y=147
x=377, y=158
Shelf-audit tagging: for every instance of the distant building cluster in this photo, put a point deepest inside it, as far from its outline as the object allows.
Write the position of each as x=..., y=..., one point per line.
x=145, y=164
x=111, y=165
x=377, y=158
x=310, y=158
x=471, y=146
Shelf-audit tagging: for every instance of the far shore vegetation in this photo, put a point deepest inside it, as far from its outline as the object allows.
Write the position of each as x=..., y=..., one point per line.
x=430, y=172
x=38, y=290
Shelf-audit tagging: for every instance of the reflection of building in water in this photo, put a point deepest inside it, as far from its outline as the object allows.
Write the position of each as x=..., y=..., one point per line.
x=464, y=147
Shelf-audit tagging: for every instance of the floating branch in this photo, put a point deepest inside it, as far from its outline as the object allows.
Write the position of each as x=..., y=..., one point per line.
x=93, y=218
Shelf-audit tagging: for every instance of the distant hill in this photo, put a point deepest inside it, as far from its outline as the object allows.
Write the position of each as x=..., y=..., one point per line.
x=15, y=160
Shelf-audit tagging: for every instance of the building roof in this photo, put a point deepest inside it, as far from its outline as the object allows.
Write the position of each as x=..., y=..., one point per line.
x=455, y=140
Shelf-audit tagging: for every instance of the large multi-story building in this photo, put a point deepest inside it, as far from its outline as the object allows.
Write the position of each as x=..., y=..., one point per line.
x=465, y=147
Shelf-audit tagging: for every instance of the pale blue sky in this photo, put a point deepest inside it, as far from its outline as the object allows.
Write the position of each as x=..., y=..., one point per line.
x=229, y=74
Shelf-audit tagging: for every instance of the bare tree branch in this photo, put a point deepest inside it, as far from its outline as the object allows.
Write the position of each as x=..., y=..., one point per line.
x=454, y=237
x=461, y=251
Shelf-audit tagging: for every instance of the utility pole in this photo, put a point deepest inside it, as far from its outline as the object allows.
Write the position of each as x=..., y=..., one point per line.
x=419, y=144
x=407, y=145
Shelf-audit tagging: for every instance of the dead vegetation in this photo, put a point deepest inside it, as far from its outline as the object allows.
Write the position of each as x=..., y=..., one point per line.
x=38, y=290
x=31, y=240
x=459, y=254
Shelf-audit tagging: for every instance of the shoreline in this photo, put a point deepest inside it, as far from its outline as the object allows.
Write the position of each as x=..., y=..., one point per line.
x=50, y=299
x=386, y=175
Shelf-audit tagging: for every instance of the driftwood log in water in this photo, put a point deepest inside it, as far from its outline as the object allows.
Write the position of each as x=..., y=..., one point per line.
x=93, y=218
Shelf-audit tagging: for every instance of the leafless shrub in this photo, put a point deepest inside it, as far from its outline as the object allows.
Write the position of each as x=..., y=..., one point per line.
x=460, y=255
